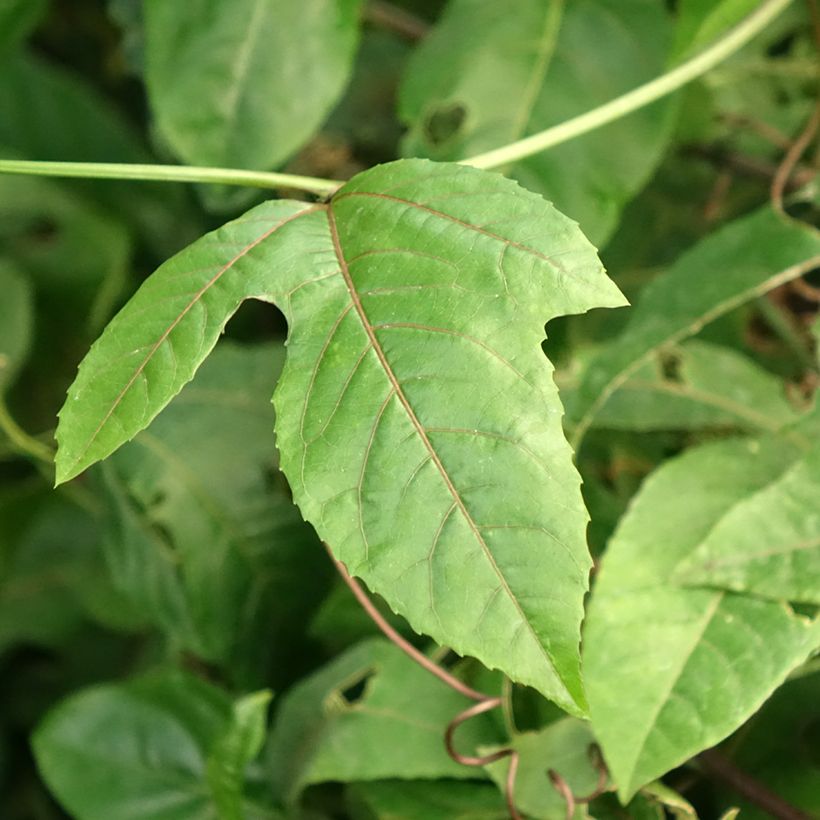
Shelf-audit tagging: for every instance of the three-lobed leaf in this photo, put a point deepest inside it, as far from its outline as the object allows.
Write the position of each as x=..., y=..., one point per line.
x=417, y=420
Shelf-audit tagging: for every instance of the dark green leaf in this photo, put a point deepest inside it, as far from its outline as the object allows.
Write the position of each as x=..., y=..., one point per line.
x=417, y=287
x=532, y=70
x=200, y=477
x=244, y=84
x=17, y=19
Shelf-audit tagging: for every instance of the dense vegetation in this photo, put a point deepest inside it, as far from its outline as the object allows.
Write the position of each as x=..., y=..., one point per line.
x=591, y=553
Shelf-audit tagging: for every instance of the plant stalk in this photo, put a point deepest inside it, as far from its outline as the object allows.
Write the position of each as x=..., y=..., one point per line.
x=170, y=173
x=639, y=97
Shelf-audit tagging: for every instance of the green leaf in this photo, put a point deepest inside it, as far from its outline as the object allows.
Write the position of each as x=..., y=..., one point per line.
x=134, y=750
x=429, y=800
x=47, y=113
x=16, y=317
x=408, y=294
x=245, y=84
x=371, y=714
x=671, y=671
x=17, y=19
x=52, y=573
x=746, y=258
x=767, y=544
x=709, y=386
x=194, y=479
x=532, y=71
x=75, y=253
x=238, y=746
x=563, y=746
x=780, y=749
x=702, y=22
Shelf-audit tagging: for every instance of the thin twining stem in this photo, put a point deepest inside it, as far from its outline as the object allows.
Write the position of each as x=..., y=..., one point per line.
x=639, y=97
x=170, y=173
x=419, y=657
x=484, y=703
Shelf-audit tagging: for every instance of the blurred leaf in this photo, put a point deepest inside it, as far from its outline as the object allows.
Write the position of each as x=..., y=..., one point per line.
x=769, y=543
x=76, y=255
x=234, y=750
x=400, y=315
x=491, y=73
x=671, y=671
x=17, y=19
x=196, y=537
x=669, y=800
x=563, y=746
x=53, y=578
x=47, y=113
x=135, y=750
x=746, y=258
x=245, y=84
x=371, y=714
x=16, y=318
x=702, y=22
x=428, y=800
x=709, y=387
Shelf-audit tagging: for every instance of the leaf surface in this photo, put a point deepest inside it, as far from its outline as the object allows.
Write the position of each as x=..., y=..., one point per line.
x=244, y=84
x=134, y=750
x=562, y=746
x=371, y=714
x=769, y=543
x=744, y=259
x=418, y=424
x=17, y=19
x=694, y=386
x=531, y=72
x=669, y=670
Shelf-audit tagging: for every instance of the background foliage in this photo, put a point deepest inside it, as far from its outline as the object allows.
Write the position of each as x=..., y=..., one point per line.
x=174, y=641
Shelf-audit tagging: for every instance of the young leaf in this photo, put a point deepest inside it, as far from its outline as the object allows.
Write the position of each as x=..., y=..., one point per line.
x=671, y=671
x=240, y=743
x=767, y=544
x=563, y=746
x=371, y=714
x=417, y=421
x=527, y=75
x=742, y=260
x=244, y=84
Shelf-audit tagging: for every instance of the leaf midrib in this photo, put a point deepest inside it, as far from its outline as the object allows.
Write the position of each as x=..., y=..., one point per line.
x=434, y=457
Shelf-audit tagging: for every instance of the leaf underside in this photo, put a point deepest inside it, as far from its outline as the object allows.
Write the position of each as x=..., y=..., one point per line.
x=417, y=420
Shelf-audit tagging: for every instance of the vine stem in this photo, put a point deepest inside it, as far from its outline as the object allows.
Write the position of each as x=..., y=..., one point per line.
x=639, y=97
x=22, y=442
x=170, y=173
